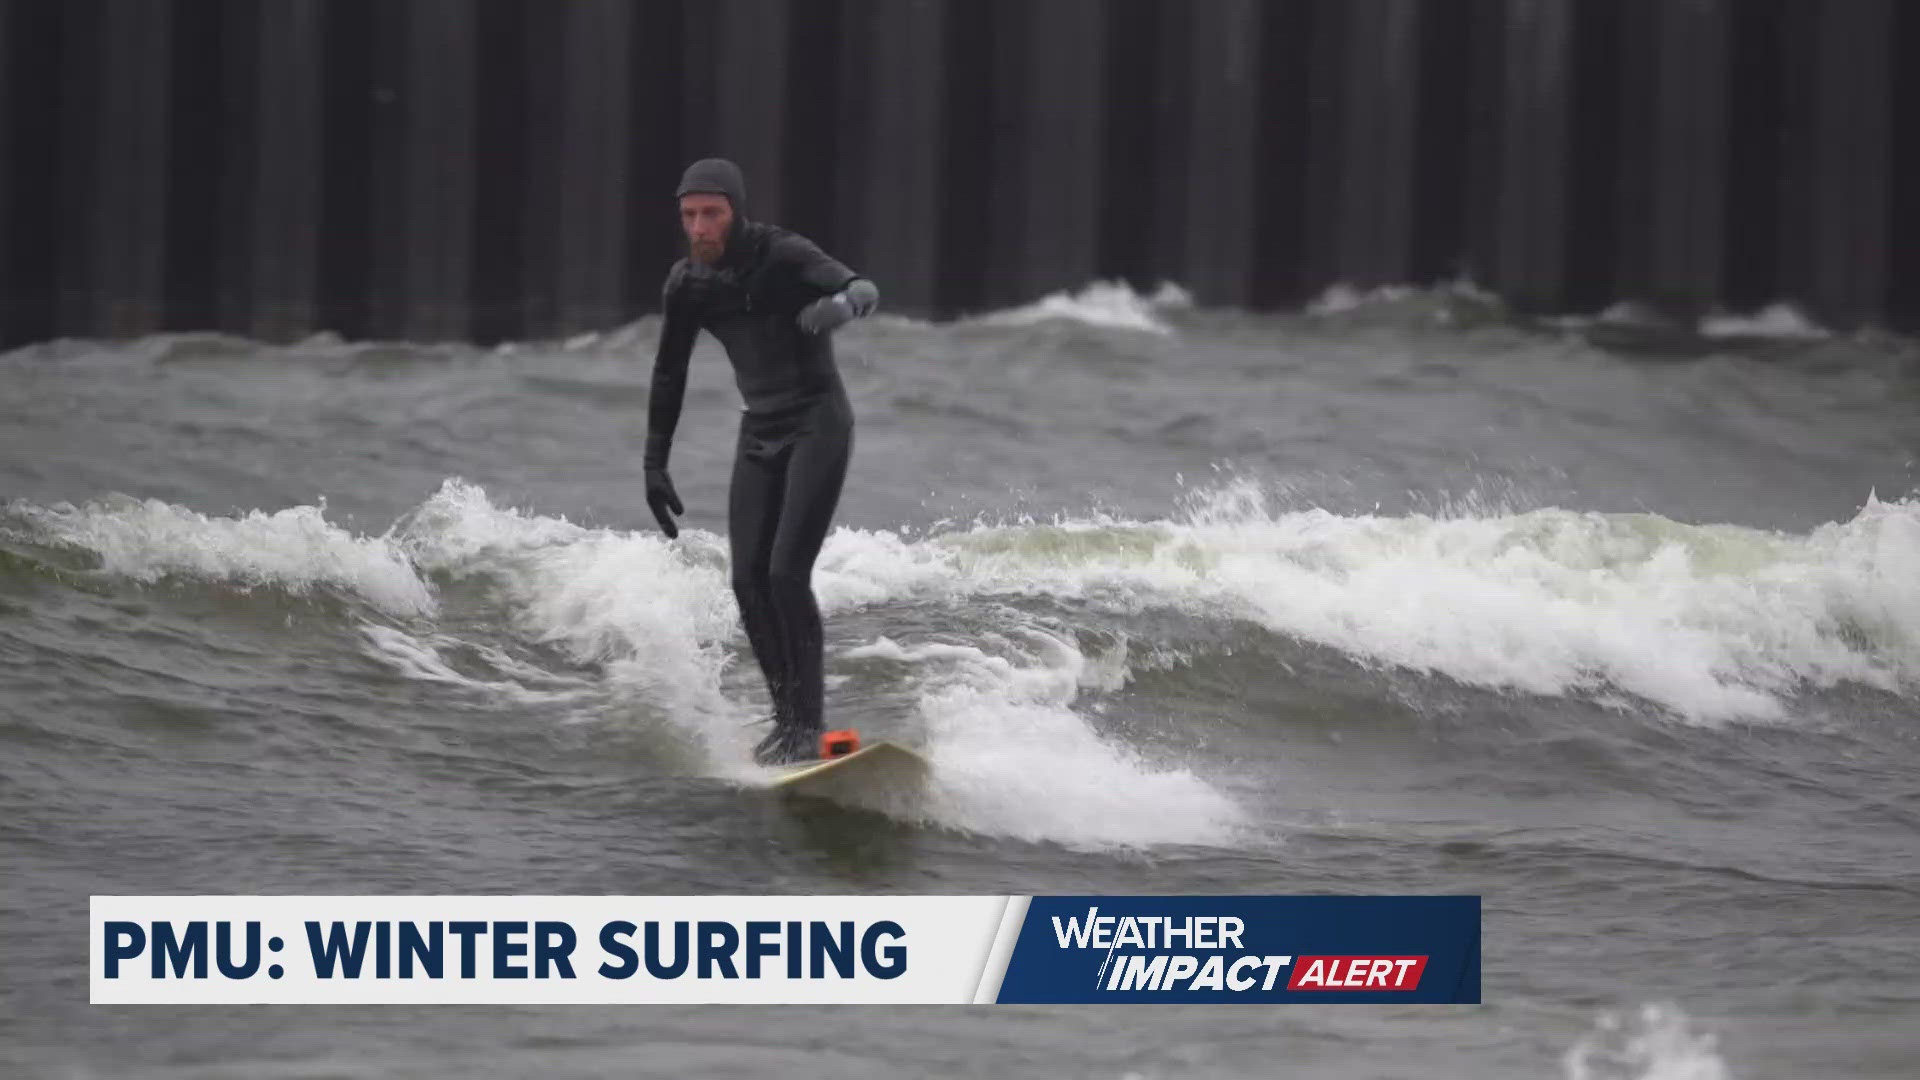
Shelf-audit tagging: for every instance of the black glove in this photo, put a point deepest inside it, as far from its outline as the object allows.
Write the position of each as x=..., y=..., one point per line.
x=829, y=312
x=661, y=497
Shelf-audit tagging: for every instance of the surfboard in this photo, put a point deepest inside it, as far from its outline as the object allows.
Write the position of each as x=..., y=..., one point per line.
x=876, y=769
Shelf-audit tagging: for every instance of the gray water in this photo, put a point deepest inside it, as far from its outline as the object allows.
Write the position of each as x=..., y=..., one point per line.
x=1391, y=596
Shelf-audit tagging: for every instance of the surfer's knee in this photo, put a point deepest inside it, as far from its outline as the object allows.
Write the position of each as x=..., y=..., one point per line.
x=749, y=582
x=786, y=576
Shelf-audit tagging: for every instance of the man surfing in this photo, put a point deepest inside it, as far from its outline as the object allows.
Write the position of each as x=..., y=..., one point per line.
x=772, y=298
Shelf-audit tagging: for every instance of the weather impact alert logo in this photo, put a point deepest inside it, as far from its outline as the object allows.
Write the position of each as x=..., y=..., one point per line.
x=1221, y=963
x=1247, y=948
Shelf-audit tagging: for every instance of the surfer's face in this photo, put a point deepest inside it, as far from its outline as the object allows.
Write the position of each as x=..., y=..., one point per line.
x=706, y=219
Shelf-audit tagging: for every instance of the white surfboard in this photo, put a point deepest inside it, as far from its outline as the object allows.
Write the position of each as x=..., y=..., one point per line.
x=877, y=769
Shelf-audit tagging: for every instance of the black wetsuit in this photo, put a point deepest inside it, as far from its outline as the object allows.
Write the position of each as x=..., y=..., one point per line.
x=796, y=436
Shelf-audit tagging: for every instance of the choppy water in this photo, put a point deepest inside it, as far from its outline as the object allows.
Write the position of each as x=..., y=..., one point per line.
x=1387, y=596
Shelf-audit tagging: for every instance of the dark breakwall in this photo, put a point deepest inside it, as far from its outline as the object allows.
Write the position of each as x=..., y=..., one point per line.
x=496, y=169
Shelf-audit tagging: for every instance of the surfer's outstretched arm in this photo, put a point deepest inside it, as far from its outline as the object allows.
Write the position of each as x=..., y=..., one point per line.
x=677, y=330
x=843, y=294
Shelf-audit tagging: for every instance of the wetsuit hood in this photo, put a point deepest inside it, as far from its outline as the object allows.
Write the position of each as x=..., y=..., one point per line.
x=718, y=176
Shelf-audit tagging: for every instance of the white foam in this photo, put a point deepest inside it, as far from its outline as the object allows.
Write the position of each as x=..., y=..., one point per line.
x=295, y=549
x=1011, y=755
x=1780, y=320
x=1713, y=622
x=656, y=615
x=1341, y=298
x=1108, y=304
x=1458, y=302
x=1655, y=1043
x=1013, y=758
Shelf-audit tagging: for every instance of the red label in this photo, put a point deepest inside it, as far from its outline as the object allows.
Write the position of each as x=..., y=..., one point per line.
x=1356, y=972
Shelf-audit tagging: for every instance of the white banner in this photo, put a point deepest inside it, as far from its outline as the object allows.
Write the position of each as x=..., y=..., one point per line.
x=606, y=950
x=507, y=950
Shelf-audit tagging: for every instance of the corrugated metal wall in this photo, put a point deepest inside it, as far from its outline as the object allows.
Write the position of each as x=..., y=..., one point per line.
x=501, y=168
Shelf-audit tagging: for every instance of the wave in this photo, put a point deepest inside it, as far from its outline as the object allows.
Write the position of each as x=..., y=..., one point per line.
x=1101, y=304
x=656, y=620
x=1711, y=622
x=1708, y=621
x=296, y=549
x=1105, y=304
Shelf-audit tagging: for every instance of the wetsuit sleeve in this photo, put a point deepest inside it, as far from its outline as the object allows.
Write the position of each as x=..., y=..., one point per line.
x=815, y=269
x=678, y=327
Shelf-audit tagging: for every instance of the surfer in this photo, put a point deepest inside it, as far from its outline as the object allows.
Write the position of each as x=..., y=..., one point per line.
x=771, y=297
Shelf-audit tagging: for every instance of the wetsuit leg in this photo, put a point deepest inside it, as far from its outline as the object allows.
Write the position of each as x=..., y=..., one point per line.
x=787, y=478
x=753, y=517
x=815, y=475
